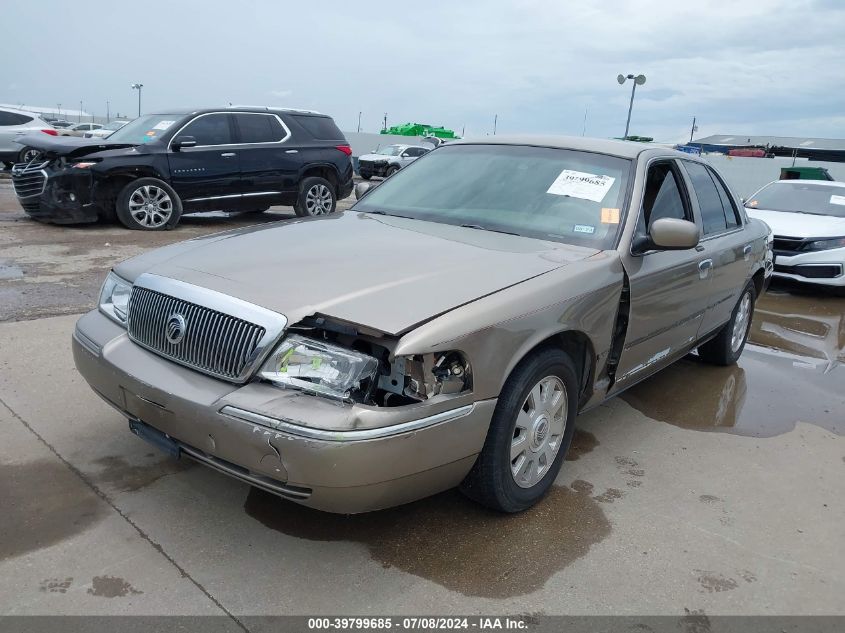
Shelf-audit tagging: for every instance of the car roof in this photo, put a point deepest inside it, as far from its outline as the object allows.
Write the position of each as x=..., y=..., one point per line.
x=238, y=108
x=622, y=149
x=22, y=111
x=807, y=181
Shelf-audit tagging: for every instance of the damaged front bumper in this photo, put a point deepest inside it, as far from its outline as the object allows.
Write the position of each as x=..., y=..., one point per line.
x=58, y=196
x=332, y=456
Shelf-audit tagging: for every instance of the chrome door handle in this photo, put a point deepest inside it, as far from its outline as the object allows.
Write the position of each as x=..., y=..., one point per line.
x=746, y=252
x=228, y=154
x=291, y=151
x=704, y=268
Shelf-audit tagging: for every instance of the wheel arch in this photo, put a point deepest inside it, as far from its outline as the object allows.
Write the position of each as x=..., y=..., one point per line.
x=322, y=170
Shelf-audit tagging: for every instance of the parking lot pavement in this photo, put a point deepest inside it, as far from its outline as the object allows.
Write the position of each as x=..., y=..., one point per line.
x=710, y=489
x=47, y=270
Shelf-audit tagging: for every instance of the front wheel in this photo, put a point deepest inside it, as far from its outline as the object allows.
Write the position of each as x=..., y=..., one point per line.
x=726, y=347
x=316, y=197
x=529, y=434
x=28, y=154
x=148, y=204
x=391, y=170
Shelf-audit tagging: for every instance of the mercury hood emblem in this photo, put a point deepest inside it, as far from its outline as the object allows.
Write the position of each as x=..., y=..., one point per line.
x=175, y=328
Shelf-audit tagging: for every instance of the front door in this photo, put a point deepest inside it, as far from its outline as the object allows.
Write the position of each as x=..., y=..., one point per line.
x=208, y=174
x=668, y=289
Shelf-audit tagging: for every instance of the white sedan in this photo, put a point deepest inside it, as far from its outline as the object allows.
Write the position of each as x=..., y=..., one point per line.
x=106, y=130
x=807, y=218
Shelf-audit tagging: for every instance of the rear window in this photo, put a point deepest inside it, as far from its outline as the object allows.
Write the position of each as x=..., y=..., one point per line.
x=259, y=128
x=320, y=127
x=14, y=118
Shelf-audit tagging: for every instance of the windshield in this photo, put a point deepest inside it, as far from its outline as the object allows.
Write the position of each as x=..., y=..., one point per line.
x=145, y=129
x=114, y=125
x=553, y=194
x=390, y=150
x=800, y=197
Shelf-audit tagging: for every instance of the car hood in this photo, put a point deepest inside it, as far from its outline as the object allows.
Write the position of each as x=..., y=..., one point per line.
x=385, y=273
x=787, y=224
x=68, y=146
x=375, y=157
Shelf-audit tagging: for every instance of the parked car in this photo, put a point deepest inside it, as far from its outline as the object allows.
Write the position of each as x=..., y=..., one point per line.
x=160, y=166
x=807, y=218
x=444, y=331
x=389, y=159
x=61, y=123
x=79, y=129
x=106, y=130
x=13, y=125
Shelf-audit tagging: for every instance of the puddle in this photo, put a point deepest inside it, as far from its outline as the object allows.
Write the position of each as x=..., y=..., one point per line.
x=120, y=474
x=583, y=442
x=111, y=587
x=43, y=504
x=792, y=370
x=454, y=542
x=10, y=271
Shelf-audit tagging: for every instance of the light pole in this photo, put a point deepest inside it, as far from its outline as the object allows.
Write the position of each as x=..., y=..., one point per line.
x=138, y=88
x=80, y=112
x=108, y=117
x=639, y=80
x=359, y=121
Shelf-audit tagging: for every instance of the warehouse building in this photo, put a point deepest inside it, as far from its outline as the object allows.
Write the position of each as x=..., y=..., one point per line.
x=818, y=149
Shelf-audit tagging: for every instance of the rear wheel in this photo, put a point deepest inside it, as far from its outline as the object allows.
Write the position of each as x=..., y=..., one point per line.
x=529, y=434
x=391, y=170
x=316, y=197
x=726, y=347
x=148, y=204
x=366, y=175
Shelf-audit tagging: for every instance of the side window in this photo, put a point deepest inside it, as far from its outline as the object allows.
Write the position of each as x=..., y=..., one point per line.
x=662, y=198
x=731, y=212
x=210, y=129
x=709, y=201
x=259, y=128
x=13, y=118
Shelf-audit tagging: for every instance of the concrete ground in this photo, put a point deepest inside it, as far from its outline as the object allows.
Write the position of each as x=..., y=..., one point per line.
x=712, y=490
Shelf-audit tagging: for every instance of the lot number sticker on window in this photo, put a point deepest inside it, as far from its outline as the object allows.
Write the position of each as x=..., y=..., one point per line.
x=837, y=200
x=578, y=184
x=163, y=125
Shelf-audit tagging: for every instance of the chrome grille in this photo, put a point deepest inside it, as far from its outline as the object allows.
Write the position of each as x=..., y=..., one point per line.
x=214, y=342
x=28, y=179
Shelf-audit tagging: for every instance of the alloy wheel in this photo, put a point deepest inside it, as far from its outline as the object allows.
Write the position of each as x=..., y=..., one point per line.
x=318, y=200
x=150, y=206
x=743, y=314
x=540, y=425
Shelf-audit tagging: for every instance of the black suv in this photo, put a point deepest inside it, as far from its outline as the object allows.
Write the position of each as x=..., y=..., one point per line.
x=159, y=166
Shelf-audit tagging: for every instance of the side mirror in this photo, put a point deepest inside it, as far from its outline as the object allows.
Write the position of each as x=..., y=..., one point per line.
x=361, y=189
x=181, y=142
x=405, y=155
x=672, y=234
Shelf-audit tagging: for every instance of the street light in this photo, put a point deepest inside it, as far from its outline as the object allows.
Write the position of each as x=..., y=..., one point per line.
x=138, y=88
x=639, y=80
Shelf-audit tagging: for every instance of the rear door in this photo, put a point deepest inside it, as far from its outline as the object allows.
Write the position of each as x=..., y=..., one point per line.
x=269, y=160
x=668, y=290
x=10, y=128
x=208, y=174
x=724, y=241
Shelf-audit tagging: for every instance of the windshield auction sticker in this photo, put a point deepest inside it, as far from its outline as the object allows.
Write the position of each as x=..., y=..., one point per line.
x=579, y=184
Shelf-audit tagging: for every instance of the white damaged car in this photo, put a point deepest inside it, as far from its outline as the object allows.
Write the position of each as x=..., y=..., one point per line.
x=807, y=218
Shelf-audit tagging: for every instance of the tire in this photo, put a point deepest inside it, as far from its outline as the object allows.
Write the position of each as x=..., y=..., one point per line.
x=726, y=347
x=366, y=176
x=391, y=170
x=28, y=154
x=148, y=204
x=316, y=197
x=497, y=479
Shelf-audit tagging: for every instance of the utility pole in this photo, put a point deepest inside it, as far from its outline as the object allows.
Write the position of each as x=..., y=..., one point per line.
x=495, y=123
x=692, y=129
x=359, y=121
x=584, y=129
x=108, y=116
x=80, y=112
x=384, y=127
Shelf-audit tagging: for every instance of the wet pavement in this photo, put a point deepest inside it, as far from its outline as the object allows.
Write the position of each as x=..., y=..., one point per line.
x=702, y=490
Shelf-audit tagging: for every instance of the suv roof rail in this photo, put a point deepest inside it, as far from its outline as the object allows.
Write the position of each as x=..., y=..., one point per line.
x=277, y=108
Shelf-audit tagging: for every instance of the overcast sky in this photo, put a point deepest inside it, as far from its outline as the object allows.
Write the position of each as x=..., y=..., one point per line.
x=743, y=66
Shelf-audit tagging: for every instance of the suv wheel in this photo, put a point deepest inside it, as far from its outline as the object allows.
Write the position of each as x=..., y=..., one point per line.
x=391, y=170
x=28, y=154
x=366, y=175
x=529, y=434
x=727, y=346
x=316, y=197
x=148, y=204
